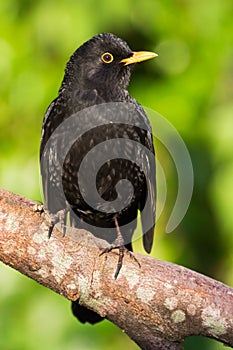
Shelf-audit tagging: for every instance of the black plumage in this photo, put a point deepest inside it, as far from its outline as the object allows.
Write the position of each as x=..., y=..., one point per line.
x=94, y=92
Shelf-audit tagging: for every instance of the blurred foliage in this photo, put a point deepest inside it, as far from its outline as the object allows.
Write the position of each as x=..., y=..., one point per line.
x=190, y=83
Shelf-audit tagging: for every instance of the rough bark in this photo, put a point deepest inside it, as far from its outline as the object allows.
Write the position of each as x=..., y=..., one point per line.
x=157, y=305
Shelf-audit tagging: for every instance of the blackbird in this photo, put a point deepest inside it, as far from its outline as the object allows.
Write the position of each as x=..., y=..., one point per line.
x=95, y=116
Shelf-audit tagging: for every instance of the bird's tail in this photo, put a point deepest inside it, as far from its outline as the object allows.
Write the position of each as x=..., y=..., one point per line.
x=85, y=315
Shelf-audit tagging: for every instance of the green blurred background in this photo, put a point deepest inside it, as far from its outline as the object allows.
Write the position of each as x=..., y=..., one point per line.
x=190, y=83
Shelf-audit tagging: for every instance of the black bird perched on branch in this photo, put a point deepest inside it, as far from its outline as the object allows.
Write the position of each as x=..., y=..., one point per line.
x=95, y=116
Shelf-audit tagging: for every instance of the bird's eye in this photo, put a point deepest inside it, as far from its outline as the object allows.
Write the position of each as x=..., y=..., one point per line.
x=107, y=57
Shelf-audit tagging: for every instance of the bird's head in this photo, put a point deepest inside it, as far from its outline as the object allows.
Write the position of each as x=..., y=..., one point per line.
x=103, y=63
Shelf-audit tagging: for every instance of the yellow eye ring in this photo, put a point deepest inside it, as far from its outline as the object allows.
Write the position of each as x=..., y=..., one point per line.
x=107, y=57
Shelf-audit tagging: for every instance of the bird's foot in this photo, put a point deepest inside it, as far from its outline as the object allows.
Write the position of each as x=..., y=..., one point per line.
x=38, y=207
x=119, y=244
x=60, y=217
x=122, y=250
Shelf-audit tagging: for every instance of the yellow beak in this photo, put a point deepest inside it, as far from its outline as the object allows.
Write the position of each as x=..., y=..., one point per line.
x=138, y=56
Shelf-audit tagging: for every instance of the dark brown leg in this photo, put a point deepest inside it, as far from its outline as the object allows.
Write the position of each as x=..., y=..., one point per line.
x=119, y=244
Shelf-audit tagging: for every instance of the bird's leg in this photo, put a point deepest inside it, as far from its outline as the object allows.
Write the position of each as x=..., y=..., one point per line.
x=60, y=217
x=119, y=244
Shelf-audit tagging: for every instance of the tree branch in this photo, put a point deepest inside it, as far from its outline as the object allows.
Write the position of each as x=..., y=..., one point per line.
x=157, y=305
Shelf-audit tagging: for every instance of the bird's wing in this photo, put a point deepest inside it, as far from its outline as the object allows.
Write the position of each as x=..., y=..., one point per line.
x=148, y=216
x=49, y=163
x=50, y=155
x=46, y=126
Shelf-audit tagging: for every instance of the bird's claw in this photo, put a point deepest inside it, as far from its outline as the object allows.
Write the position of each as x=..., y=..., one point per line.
x=38, y=207
x=122, y=250
x=60, y=217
